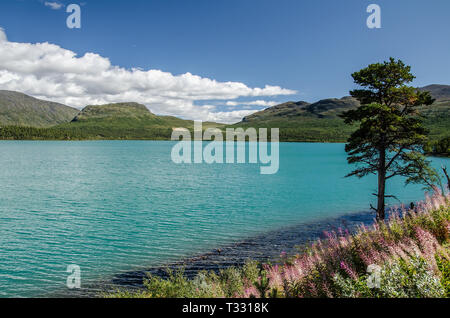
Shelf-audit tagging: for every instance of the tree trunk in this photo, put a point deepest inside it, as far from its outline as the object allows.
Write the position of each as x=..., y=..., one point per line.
x=381, y=185
x=448, y=178
x=381, y=190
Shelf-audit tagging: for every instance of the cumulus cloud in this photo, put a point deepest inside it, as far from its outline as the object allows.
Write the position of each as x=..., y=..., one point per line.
x=47, y=71
x=53, y=5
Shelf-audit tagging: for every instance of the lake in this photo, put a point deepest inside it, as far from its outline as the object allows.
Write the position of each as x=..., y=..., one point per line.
x=114, y=206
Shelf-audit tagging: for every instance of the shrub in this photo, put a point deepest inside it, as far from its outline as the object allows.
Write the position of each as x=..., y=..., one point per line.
x=399, y=279
x=443, y=264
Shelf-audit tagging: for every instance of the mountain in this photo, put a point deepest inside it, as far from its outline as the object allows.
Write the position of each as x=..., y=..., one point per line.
x=303, y=121
x=120, y=115
x=113, y=111
x=128, y=115
x=326, y=108
x=329, y=108
x=319, y=121
x=122, y=121
x=23, y=110
x=298, y=121
x=24, y=117
x=439, y=92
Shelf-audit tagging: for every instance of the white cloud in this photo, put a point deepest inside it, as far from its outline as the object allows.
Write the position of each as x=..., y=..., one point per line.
x=230, y=117
x=3, y=37
x=253, y=103
x=50, y=72
x=53, y=5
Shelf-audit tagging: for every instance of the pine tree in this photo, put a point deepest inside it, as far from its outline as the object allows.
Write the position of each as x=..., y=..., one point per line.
x=390, y=138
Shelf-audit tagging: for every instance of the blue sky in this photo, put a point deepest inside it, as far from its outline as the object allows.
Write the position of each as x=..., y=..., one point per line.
x=310, y=47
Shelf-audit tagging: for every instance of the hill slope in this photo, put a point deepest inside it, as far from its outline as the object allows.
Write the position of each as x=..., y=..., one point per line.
x=123, y=121
x=303, y=121
x=298, y=121
x=128, y=115
x=22, y=110
x=110, y=121
x=439, y=92
x=326, y=108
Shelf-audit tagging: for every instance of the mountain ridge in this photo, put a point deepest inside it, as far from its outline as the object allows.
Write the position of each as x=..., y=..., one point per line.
x=440, y=92
x=321, y=109
x=320, y=121
x=330, y=107
x=20, y=109
x=131, y=113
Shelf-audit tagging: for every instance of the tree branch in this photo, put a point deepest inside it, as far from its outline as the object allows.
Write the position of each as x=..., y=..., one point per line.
x=395, y=157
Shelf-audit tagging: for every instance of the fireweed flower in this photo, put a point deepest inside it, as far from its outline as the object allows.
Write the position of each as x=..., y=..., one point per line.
x=404, y=237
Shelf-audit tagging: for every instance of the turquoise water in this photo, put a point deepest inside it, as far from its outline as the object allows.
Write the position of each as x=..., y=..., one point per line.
x=113, y=206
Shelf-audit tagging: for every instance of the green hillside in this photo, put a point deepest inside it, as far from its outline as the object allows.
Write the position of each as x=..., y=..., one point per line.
x=319, y=122
x=303, y=121
x=110, y=121
x=437, y=119
x=290, y=111
x=298, y=121
x=127, y=115
x=22, y=110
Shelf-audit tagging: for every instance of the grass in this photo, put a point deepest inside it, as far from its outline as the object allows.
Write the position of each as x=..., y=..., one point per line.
x=406, y=256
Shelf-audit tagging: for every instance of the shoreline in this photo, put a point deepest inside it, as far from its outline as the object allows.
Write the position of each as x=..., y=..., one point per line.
x=263, y=248
x=170, y=140
x=431, y=155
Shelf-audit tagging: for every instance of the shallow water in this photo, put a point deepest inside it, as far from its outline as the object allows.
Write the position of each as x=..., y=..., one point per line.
x=123, y=206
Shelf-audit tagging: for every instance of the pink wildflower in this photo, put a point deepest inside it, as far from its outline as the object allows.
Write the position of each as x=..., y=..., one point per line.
x=349, y=270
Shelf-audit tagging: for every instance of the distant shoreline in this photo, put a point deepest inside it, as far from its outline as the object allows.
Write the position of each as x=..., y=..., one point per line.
x=437, y=155
x=77, y=140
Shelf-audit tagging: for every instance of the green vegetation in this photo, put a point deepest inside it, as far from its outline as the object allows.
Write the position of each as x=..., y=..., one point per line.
x=302, y=121
x=320, y=122
x=18, y=109
x=436, y=119
x=306, y=129
x=83, y=133
x=439, y=148
x=123, y=116
x=406, y=256
x=298, y=122
x=112, y=121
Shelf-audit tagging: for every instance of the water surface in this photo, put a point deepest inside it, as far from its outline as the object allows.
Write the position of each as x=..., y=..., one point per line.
x=117, y=206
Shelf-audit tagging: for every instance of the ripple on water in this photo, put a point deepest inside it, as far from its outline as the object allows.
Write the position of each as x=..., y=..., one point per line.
x=121, y=207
